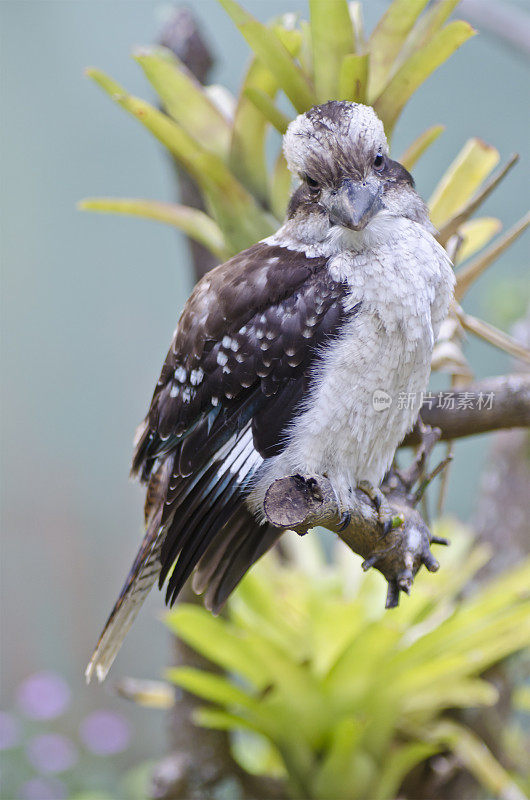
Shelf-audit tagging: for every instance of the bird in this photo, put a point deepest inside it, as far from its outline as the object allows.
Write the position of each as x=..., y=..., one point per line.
x=277, y=358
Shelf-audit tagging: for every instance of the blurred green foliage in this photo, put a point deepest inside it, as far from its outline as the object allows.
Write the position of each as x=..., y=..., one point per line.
x=343, y=699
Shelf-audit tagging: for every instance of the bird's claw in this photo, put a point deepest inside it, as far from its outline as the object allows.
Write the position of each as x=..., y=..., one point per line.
x=386, y=518
x=345, y=520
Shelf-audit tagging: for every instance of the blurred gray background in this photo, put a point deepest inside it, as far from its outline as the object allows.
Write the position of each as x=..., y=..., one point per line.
x=89, y=303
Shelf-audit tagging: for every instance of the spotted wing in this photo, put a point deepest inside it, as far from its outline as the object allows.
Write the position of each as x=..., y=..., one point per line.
x=239, y=364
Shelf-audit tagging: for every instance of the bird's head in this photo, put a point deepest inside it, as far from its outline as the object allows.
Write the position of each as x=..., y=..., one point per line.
x=340, y=153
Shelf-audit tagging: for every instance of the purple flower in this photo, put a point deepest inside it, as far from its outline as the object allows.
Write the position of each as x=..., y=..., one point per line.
x=43, y=789
x=9, y=731
x=44, y=695
x=105, y=732
x=51, y=752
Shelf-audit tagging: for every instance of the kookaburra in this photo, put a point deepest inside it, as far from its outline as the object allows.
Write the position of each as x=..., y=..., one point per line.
x=275, y=360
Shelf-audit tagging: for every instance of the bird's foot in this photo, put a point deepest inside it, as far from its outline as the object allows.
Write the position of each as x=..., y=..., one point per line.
x=345, y=519
x=384, y=512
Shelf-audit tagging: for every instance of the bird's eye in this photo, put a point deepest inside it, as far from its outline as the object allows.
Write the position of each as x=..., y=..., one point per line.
x=312, y=184
x=379, y=161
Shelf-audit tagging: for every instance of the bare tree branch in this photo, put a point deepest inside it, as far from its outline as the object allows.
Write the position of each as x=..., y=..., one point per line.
x=489, y=405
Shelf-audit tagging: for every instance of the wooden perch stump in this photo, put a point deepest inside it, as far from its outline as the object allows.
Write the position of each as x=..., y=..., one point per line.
x=302, y=502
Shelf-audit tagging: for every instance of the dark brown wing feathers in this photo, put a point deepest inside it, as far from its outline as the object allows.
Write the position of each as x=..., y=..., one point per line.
x=239, y=365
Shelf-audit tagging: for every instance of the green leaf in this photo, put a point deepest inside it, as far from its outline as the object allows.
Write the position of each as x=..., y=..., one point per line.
x=398, y=764
x=265, y=105
x=470, y=168
x=356, y=15
x=209, y=686
x=280, y=191
x=218, y=641
x=353, y=78
x=333, y=39
x=473, y=753
x=466, y=276
x=291, y=38
x=222, y=720
x=427, y=25
x=305, y=56
x=387, y=39
x=233, y=208
x=185, y=99
x=417, y=69
x=418, y=147
x=274, y=55
x=194, y=223
x=461, y=693
x=341, y=766
x=451, y=227
x=475, y=235
x=247, y=151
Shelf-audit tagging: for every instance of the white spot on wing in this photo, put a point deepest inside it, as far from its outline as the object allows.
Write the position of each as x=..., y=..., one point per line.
x=196, y=376
x=180, y=375
x=222, y=358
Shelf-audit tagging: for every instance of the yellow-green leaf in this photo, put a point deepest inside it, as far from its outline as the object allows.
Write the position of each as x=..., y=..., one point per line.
x=332, y=39
x=418, y=147
x=209, y=686
x=356, y=15
x=280, y=187
x=466, y=276
x=222, y=720
x=184, y=98
x=270, y=50
x=473, y=754
x=305, y=56
x=387, y=39
x=217, y=640
x=338, y=768
x=290, y=37
x=451, y=227
x=417, y=69
x=234, y=209
x=353, y=78
x=461, y=180
x=265, y=105
x=476, y=233
x=191, y=221
x=247, y=150
x=428, y=23
x=398, y=764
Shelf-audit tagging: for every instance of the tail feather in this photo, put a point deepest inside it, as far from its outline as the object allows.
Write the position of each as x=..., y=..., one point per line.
x=183, y=517
x=143, y=575
x=239, y=545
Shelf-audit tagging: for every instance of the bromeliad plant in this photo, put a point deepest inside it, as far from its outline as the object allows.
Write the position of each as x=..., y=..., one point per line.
x=298, y=64
x=342, y=700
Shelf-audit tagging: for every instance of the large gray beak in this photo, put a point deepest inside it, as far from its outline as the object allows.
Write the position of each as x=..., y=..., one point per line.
x=355, y=204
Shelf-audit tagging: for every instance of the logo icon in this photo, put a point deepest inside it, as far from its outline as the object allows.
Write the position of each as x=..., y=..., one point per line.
x=381, y=400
